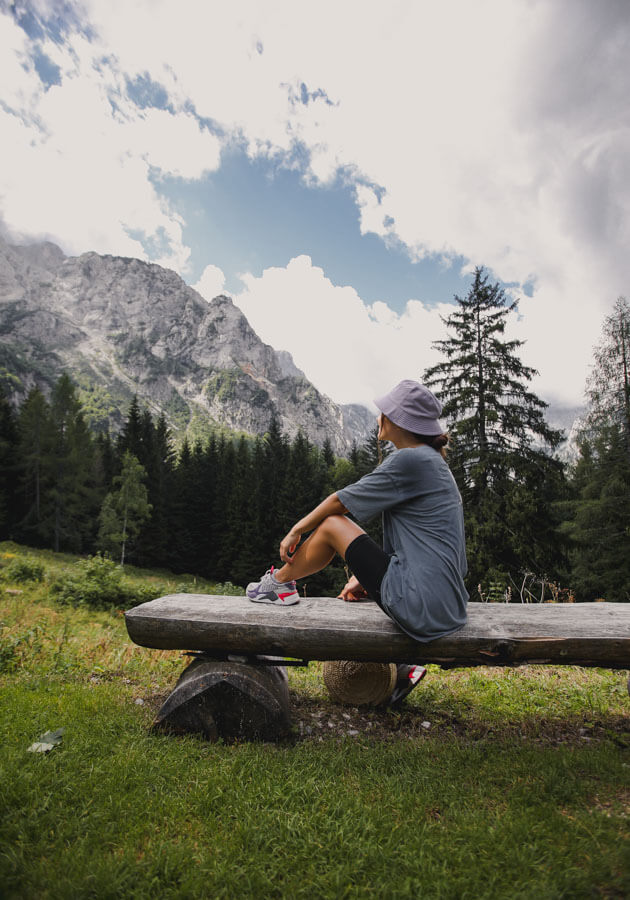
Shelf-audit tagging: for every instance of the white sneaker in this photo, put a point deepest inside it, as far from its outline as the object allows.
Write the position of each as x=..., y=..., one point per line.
x=268, y=590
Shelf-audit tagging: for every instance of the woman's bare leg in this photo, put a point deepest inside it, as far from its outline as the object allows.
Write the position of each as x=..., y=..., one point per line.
x=332, y=536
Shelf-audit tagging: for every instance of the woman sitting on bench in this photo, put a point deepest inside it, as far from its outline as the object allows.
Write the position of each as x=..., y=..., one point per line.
x=417, y=577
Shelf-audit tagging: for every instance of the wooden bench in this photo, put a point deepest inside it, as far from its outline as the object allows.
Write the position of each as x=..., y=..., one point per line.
x=237, y=684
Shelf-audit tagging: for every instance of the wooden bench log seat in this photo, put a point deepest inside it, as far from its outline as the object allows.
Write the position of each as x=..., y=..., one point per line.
x=237, y=688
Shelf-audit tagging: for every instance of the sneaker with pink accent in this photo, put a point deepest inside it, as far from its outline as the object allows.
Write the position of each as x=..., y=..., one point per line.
x=408, y=678
x=268, y=590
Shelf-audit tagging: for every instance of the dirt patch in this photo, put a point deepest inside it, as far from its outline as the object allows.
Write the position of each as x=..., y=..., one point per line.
x=316, y=720
x=617, y=807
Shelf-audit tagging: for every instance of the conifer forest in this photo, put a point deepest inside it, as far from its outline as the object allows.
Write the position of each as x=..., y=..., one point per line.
x=537, y=528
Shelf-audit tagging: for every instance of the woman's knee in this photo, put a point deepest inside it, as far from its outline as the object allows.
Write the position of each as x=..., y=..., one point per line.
x=334, y=524
x=340, y=531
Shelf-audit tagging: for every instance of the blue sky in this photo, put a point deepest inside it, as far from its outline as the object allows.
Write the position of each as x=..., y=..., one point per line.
x=339, y=169
x=252, y=214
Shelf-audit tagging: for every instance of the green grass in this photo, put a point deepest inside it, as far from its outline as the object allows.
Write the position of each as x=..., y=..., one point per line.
x=520, y=788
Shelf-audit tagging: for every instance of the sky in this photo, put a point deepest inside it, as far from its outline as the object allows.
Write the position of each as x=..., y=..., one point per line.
x=338, y=169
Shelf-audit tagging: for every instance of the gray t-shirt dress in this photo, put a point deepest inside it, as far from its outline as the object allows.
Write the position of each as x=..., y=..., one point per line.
x=423, y=530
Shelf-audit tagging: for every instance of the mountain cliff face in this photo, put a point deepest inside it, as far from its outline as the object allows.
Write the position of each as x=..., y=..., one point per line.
x=120, y=327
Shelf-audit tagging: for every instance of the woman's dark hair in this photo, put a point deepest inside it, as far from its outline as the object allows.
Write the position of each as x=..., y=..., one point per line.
x=437, y=441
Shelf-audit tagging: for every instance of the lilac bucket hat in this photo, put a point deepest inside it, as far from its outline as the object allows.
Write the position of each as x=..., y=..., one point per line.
x=412, y=406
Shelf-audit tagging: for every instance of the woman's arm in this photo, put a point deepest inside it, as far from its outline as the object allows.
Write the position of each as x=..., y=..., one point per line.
x=331, y=506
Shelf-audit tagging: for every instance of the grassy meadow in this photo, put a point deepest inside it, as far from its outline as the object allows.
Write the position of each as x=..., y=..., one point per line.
x=487, y=783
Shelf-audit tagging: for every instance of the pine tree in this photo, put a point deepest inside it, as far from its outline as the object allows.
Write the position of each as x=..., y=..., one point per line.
x=259, y=557
x=599, y=523
x=71, y=466
x=598, y=517
x=608, y=385
x=35, y=447
x=304, y=487
x=161, y=491
x=223, y=550
x=197, y=493
x=104, y=449
x=151, y=543
x=244, y=533
x=327, y=453
x=372, y=452
x=182, y=552
x=304, y=482
x=500, y=440
x=342, y=474
x=354, y=456
x=9, y=465
x=366, y=458
x=271, y=477
x=131, y=436
x=207, y=494
x=125, y=508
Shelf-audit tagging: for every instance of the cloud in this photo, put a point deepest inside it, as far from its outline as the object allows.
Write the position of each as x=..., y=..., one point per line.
x=211, y=283
x=499, y=132
x=351, y=351
x=81, y=162
x=176, y=145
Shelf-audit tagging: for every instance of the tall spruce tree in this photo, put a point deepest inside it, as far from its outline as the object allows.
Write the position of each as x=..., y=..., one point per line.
x=500, y=441
x=598, y=517
x=608, y=385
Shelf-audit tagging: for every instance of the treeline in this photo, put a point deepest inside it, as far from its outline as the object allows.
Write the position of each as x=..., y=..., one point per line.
x=535, y=528
x=216, y=509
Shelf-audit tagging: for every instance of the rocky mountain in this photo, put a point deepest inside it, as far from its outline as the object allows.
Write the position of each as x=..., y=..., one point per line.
x=120, y=327
x=569, y=420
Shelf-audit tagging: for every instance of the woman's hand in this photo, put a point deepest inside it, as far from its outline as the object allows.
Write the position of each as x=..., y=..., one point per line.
x=353, y=591
x=289, y=544
x=331, y=506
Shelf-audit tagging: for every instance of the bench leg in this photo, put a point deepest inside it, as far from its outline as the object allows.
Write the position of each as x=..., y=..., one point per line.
x=228, y=700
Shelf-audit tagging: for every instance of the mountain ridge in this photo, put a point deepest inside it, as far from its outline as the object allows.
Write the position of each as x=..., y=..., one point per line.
x=122, y=327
